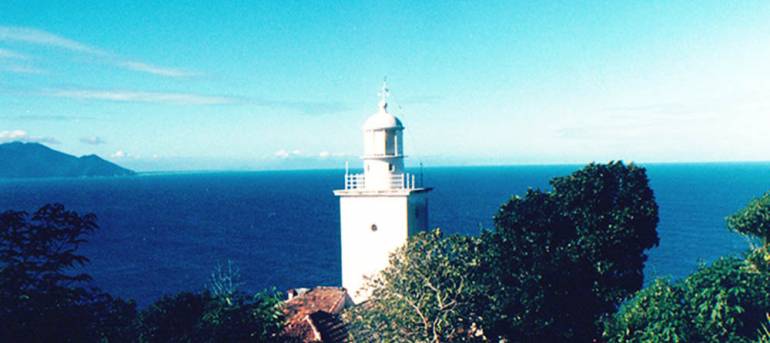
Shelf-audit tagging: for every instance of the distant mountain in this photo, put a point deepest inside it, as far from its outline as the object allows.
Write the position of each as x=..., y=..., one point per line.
x=19, y=159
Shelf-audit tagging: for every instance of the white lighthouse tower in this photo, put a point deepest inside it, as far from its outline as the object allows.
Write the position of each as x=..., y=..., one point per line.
x=380, y=208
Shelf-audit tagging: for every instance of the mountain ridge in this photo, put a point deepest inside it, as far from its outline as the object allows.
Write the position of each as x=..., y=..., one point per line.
x=35, y=160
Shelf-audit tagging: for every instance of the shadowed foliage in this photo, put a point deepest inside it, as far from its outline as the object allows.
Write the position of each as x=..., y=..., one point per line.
x=42, y=299
x=557, y=263
x=202, y=317
x=564, y=259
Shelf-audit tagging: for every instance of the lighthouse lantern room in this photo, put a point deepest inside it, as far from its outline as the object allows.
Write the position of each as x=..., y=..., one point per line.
x=380, y=208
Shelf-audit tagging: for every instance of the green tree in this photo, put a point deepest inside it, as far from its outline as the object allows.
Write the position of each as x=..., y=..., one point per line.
x=728, y=300
x=173, y=318
x=203, y=317
x=753, y=220
x=656, y=314
x=42, y=298
x=564, y=259
x=430, y=292
x=764, y=332
x=724, y=302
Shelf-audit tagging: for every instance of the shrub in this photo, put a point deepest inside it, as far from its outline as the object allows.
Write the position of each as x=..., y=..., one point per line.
x=429, y=293
x=724, y=302
x=201, y=317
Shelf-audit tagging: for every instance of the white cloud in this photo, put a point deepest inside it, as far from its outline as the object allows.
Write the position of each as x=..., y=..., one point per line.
x=156, y=70
x=325, y=154
x=8, y=54
x=20, y=69
x=140, y=96
x=43, y=38
x=93, y=140
x=119, y=154
x=12, y=135
x=297, y=153
x=23, y=136
x=39, y=37
x=281, y=154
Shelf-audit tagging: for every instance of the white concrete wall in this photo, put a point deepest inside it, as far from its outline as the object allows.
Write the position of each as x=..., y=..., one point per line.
x=365, y=252
x=379, y=174
x=418, y=213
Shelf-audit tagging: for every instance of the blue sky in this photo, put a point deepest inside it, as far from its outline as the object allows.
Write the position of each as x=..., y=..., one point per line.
x=280, y=84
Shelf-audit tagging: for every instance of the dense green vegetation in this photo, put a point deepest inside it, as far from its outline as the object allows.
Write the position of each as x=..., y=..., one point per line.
x=430, y=293
x=728, y=301
x=563, y=265
x=563, y=260
x=566, y=266
x=554, y=266
x=724, y=302
x=202, y=317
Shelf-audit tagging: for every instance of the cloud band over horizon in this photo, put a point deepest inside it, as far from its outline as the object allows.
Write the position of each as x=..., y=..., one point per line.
x=48, y=39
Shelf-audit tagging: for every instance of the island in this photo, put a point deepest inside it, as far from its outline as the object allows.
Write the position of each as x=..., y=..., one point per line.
x=34, y=160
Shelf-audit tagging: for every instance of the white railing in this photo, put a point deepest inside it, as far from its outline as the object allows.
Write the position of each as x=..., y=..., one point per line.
x=395, y=181
x=355, y=181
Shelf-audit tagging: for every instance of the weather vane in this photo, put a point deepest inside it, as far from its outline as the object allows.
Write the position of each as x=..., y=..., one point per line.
x=384, y=93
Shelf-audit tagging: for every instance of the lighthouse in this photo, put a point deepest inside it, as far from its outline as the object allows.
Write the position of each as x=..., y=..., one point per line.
x=380, y=208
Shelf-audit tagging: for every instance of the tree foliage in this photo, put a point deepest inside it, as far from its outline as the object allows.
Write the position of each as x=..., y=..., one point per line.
x=201, y=317
x=753, y=220
x=656, y=314
x=37, y=250
x=42, y=298
x=555, y=265
x=764, y=332
x=724, y=302
x=566, y=258
x=429, y=293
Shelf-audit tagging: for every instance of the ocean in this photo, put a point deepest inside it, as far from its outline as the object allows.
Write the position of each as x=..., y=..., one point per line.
x=164, y=233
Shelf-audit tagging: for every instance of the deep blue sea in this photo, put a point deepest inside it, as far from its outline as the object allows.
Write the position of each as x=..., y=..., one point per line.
x=163, y=233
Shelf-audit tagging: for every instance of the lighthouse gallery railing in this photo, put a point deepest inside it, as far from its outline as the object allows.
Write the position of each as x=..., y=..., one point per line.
x=396, y=181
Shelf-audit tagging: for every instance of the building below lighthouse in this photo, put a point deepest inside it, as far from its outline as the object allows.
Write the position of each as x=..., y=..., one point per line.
x=380, y=208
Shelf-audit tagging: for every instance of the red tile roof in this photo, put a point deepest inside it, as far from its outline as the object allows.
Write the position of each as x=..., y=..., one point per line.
x=313, y=316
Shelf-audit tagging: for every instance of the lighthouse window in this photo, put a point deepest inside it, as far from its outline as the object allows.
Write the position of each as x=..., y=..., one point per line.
x=374, y=227
x=391, y=167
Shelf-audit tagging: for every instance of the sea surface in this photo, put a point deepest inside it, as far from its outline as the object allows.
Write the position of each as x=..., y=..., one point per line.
x=164, y=233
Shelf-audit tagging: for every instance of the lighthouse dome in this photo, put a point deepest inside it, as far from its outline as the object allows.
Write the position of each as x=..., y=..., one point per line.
x=382, y=120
